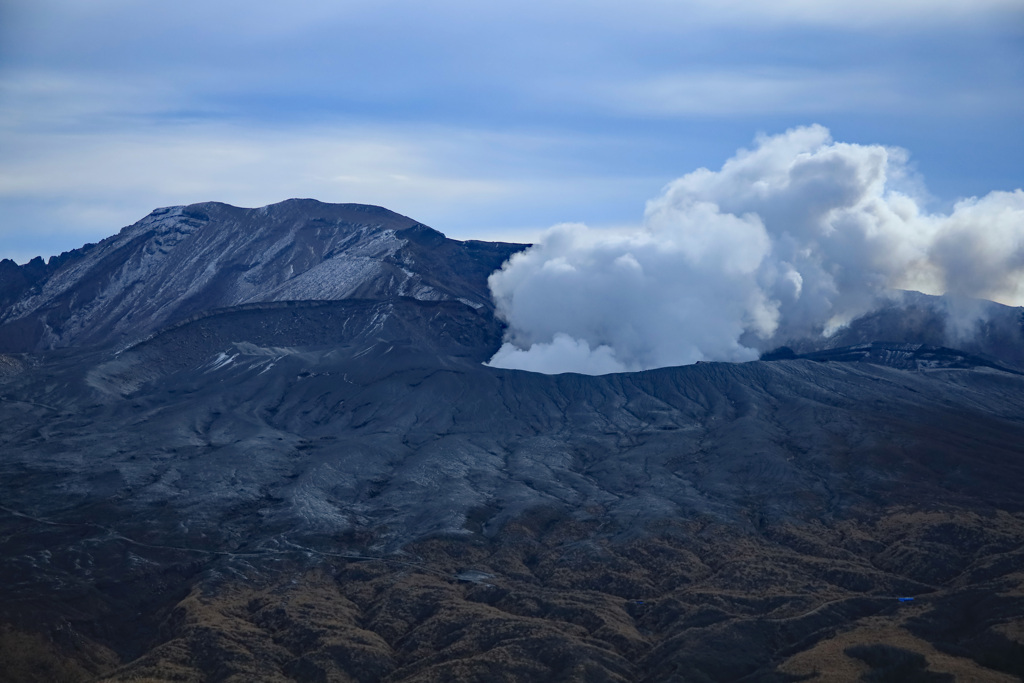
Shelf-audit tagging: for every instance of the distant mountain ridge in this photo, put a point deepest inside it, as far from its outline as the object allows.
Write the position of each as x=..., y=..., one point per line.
x=984, y=328
x=180, y=261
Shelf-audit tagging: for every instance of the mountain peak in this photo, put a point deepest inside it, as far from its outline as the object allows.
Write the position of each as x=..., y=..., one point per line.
x=181, y=260
x=306, y=420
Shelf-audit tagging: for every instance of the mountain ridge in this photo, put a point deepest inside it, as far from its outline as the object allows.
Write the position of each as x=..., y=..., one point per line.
x=183, y=260
x=339, y=489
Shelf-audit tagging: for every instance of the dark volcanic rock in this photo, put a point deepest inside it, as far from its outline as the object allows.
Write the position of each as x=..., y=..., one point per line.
x=262, y=445
x=971, y=326
x=185, y=260
x=895, y=355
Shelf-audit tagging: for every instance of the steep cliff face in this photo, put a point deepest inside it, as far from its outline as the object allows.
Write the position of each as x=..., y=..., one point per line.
x=184, y=260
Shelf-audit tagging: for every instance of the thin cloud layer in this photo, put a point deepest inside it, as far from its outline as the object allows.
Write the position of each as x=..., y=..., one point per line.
x=792, y=238
x=110, y=108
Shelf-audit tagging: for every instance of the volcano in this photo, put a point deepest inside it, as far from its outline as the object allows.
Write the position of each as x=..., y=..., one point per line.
x=263, y=445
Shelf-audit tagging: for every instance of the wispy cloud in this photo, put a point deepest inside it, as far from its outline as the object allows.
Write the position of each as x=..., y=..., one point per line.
x=87, y=185
x=723, y=92
x=474, y=114
x=857, y=13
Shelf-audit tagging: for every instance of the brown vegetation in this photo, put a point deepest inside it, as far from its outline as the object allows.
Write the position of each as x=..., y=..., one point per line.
x=551, y=600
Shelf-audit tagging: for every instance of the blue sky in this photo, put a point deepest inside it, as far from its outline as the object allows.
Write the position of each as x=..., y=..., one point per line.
x=483, y=120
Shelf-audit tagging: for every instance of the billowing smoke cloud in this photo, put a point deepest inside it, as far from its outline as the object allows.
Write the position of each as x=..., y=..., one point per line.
x=793, y=238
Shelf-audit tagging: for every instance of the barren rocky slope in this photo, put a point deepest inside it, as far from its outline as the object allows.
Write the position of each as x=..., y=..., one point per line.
x=185, y=260
x=336, y=489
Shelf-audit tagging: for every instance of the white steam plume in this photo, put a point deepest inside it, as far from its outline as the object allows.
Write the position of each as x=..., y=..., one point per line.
x=793, y=238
